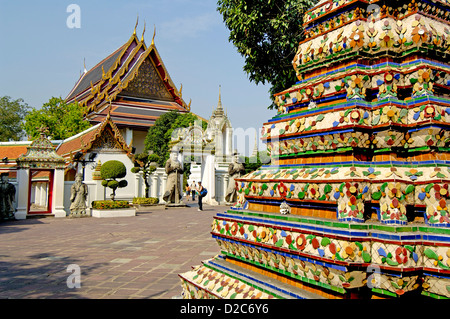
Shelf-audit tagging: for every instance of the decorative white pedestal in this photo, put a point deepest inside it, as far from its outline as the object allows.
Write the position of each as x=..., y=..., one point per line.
x=107, y=213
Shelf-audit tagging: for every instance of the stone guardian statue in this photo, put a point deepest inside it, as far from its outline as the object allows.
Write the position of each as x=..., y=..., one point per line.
x=7, y=198
x=174, y=192
x=78, y=195
x=235, y=170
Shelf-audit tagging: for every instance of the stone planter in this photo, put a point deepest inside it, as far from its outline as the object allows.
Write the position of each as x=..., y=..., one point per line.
x=149, y=206
x=118, y=212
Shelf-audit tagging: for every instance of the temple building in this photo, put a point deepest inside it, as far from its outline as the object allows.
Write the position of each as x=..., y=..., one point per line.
x=211, y=150
x=133, y=85
x=123, y=96
x=220, y=131
x=356, y=201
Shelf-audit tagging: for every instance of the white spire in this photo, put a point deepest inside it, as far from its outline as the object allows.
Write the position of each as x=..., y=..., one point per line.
x=220, y=97
x=255, y=149
x=219, y=110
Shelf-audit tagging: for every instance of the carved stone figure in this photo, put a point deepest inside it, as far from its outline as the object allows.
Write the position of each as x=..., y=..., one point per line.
x=235, y=169
x=7, y=198
x=285, y=209
x=174, y=192
x=78, y=195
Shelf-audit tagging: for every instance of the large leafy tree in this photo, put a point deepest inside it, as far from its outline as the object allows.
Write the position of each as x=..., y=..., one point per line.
x=266, y=33
x=159, y=135
x=61, y=119
x=12, y=114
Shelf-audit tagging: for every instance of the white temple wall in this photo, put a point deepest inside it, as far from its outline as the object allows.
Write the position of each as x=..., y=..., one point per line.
x=134, y=188
x=221, y=182
x=94, y=193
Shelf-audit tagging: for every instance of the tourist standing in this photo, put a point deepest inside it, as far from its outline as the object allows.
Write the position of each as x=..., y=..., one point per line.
x=193, y=188
x=200, y=197
x=188, y=192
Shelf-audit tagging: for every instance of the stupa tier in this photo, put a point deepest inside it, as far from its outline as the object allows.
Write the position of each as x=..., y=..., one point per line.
x=355, y=202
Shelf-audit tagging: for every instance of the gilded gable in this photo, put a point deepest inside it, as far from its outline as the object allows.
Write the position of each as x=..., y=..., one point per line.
x=147, y=84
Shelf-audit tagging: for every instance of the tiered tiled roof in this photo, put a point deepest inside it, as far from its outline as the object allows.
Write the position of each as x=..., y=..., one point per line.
x=10, y=151
x=132, y=83
x=106, y=132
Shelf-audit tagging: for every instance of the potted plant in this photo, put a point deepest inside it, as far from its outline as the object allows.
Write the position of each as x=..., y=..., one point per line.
x=110, y=173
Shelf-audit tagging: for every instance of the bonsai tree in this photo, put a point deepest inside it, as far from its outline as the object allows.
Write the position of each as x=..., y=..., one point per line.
x=110, y=172
x=148, y=164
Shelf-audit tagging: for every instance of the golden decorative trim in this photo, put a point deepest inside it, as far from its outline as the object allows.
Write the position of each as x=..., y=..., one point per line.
x=154, y=34
x=97, y=94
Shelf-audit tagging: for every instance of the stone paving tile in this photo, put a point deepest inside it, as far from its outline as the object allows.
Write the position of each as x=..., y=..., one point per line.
x=135, y=257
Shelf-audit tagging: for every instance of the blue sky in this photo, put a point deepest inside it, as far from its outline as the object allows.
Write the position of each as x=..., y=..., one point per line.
x=42, y=57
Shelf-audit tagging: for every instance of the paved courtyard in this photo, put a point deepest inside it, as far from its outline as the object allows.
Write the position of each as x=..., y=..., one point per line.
x=129, y=257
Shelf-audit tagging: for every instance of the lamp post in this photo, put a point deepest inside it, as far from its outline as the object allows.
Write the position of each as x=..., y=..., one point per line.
x=78, y=159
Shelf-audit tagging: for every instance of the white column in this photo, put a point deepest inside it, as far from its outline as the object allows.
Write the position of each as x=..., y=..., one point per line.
x=44, y=193
x=58, y=194
x=154, y=185
x=23, y=179
x=219, y=144
x=163, y=187
x=33, y=193
x=128, y=136
x=229, y=151
x=37, y=197
x=209, y=180
x=137, y=184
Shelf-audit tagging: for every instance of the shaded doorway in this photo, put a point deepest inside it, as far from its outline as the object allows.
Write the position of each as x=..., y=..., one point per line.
x=40, y=191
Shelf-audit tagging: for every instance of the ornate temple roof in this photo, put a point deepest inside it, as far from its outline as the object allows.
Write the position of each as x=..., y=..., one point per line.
x=104, y=135
x=40, y=154
x=219, y=118
x=134, y=81
x=9, y=152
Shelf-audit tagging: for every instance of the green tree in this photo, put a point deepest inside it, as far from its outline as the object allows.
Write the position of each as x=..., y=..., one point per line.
x=159, y=135
x=12, y=114
x=266, y=33
x=251, y=164
x=110, y=172
x=147, y=166
x=62, y=120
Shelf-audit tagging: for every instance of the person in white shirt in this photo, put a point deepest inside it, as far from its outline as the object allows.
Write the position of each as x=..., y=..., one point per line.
x=193, y=188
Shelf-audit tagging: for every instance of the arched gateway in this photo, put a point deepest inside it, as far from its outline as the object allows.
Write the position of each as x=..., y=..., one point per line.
x=40, y=176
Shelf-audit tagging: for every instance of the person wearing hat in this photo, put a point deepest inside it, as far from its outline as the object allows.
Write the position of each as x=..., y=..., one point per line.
x=200, y=197
x=193, y=188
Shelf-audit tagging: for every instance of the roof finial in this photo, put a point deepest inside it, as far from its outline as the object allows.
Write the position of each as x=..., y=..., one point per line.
x=219, y=106
x=84, y=64
x=137, y=21
x=154, y=33
x=142, y=37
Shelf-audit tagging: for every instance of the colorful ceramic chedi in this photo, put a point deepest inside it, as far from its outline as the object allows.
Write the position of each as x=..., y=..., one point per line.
x=360, y=153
